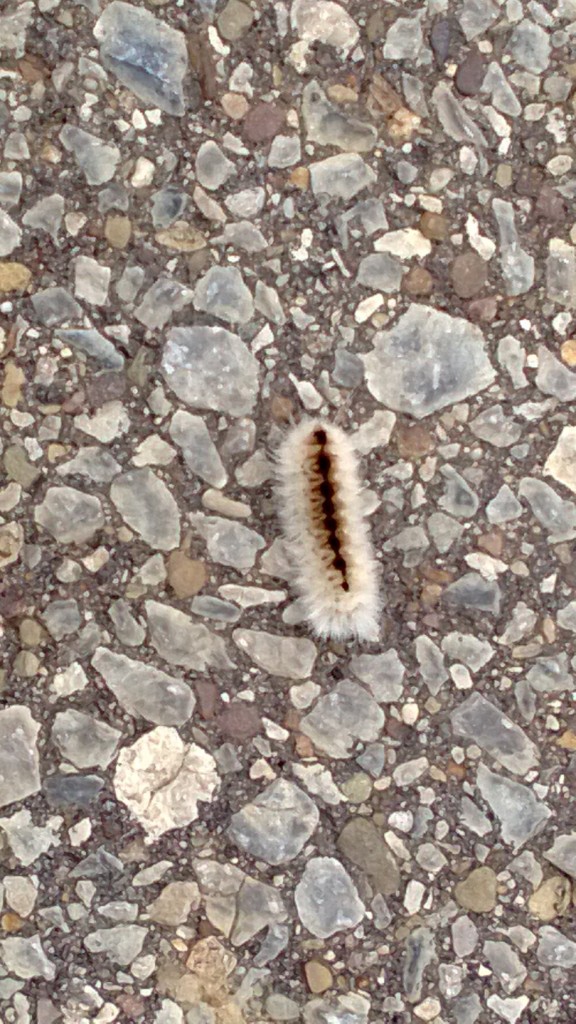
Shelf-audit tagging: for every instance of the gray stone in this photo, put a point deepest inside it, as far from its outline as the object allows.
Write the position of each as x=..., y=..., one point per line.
x=383, y=674
x=267, y=302
x=475, y=16
x=210, y=368
x=13, y=26
x=95, y=158
x=168, y=205
x=361, y=842
x=180, y=641
x=229, y=543
x=444, y=531
x=529, y=46
x=561, y=463
x=237, y=905
x=10, y=234
x=420, y=952
x=10, y=188
x=146, y=504
x=46, y=215
x=493, y=426
x=508, y=1009
x=84, y=741
x=506, y=964
x=70, y=516
x=62, y=790
x=342, y=717
x=326, y=898
x=330, y=125
x=474, y=592
x=464, y=936
x=242, y=235
x=200, y=454
x=456, y=121
x=380, y=272
x=94, y=345
x=458, y=499
x=214, y=608
x=561, y=273
x=404, y=39
x=555, y=514
x=473, y=818
x=431, y=662
x=426, y=361
x=247, y=203
x=517, y=264
x=562, y=853
x=161, y=780
x=26, y=840
x=26, y=958
x=290, y=657
x=551, y=675
x=467, y=1009
x=149, y=57
x=128, y=629
x=62, y=618
x=222, y=293
x=94, y=463
x=521, y=623
x=275, y=826
x=352, y=1008
x=212, y=167
x=120, y=944
x=144, y=691
x=521, y=815
x=466, y=648
x=566, y=617
x=55, y=306
x=555, y=949
x=553, y=378
x=284, y=152
x=175, y=903
x=19, y=761
x=480, y=721
x=341, y=176
x=504, y=507
x=164, y=298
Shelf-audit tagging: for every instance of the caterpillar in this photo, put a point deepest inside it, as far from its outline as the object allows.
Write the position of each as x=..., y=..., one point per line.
x=335, y=571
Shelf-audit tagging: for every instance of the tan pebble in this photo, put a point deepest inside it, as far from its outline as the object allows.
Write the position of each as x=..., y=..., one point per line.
x=549, y=629
x=551, y=899
x=342, y=93
x=300, y=178
x=418, y=281
x=14, y=277
x=11, y=922
x=186, y=575
x=503, y=176
x=434, y=226
x=50, y=154
x=181, y=237
x=56, y=451
x=26, y=664
x=303, y=746
x=234, y=105
x=31, y=633
x=13, y=383
x=413, y=440
x=403, y=124
x=118, y=231
x=281, y=408
x=318, y=976
x=492, y=542
x=567, y=740
x=568, y=352
x=477, y=892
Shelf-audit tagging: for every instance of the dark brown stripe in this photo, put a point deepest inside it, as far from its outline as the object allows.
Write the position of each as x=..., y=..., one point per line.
x=330, y=520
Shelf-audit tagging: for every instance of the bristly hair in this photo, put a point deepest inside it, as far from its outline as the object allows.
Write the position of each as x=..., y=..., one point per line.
x=335, y=572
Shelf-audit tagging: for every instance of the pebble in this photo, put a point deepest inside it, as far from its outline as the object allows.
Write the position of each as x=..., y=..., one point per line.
x=326, y=898
x=210, y=368
x=342, y=717
x=477, y=892
x=360, y=842
x=144, y=691
x=146, y=504
x=276, y=825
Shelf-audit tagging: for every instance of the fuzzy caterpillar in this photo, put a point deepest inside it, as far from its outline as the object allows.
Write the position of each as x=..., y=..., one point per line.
x=335, y=572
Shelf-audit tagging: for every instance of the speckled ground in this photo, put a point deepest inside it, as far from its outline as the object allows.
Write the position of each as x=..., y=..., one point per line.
x=215, y=219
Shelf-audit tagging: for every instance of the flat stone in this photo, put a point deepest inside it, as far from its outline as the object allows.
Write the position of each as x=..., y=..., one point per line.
x=517, y=264
x=551, y=899
x=561, y=273
x=199, y=452
x=474, y=592
x=181, y=641
x=325, y=21
x=222, y=293
x=11, y=543
x=210, y=368
x=25, y=957
x=161, y=780
x=504, y=507
x=556, y=515
x=93, y=344
x=275, y=826
x=464, y=936
x=145, y=503
x=149, y=57
x=426, y=361
x=290, y=657
x=420, y=953
x=511, y=1010
x=562, y=853
x=14, y=277
x=55, y=306
x=529, y=46
x=361, y=842
x=19, y=759
x=84, y=741
x=94, y=463
x=175, y=903
x=262, y=122
x=143, y=690
x=477, y=892
x=234, y=20
x=521, y=814
x=229, y=543
x=96, y=159
x=553, y=378
x=383, y=674
x=121, y=944
x=62, y=618
x=63, y=791
x=485, y=724
x=69, y=515
x=213, y=168
x=328, y=125
x=406, y=243
x=326, y=898
x=46, y=215
x=466, y=648
x=470, y=74
x=10, y=234
x=493, y=426
x=168, y=205
x=341, y=718
x=159, y=303
x=404, y=39
x=341, y=177
x=561, y=463
x=285, y=151
x=380, y=272
x=10, y=188
x=555, y=949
